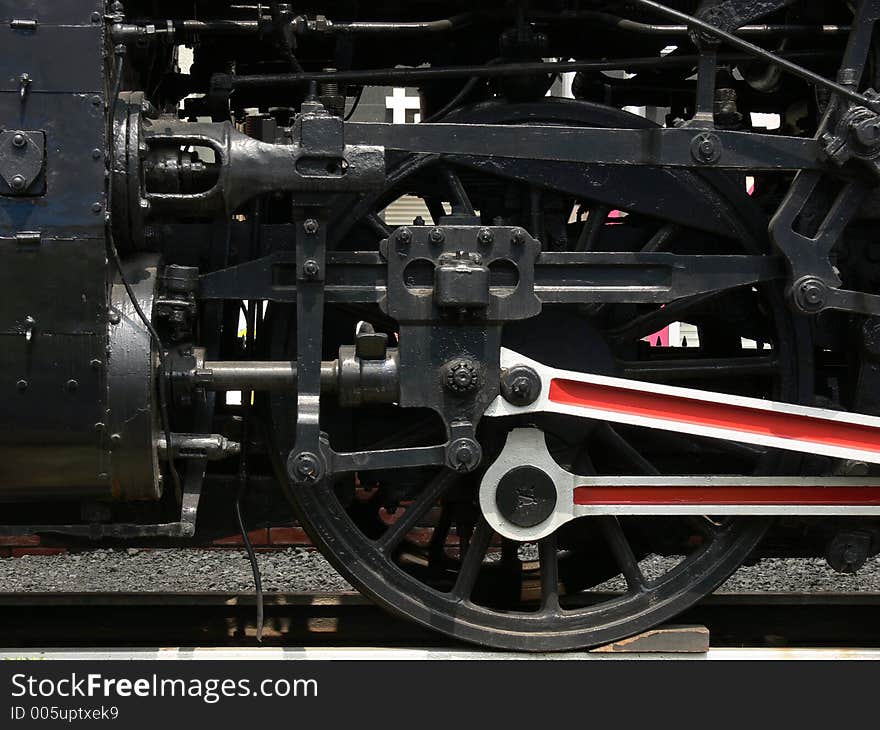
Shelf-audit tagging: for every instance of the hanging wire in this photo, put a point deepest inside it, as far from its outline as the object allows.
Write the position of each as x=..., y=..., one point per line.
x=246, y=402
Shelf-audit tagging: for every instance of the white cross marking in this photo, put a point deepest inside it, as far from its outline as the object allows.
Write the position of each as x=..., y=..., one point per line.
x=400, y=104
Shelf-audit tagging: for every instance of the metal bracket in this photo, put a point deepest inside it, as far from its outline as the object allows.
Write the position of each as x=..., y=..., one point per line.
x=22, y=163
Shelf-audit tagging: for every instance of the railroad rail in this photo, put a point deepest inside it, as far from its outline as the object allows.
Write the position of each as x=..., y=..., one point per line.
x=323, y=622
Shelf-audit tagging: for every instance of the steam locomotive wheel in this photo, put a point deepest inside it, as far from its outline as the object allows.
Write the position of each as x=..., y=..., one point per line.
x=432, y=557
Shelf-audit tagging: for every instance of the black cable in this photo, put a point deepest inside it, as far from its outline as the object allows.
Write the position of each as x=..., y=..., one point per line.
x=246, y=402
x=249, y=548
x=405, y=76
x=114, y=254
x=354, y=106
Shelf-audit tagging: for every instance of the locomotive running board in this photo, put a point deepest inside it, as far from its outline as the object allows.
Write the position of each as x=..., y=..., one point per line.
x=573, y=495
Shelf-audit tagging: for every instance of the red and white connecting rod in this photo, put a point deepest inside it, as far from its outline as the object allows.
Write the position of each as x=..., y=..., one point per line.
x=701, y=413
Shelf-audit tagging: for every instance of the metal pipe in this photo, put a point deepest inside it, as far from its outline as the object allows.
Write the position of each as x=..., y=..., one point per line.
x=657, y=29
x=392, y=75
x=400, y=28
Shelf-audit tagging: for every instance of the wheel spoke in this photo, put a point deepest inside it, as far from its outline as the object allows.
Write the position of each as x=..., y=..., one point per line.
x=627, y=451
x=647, y=324
x=623, y=554
x=418, y=509
x=549, y=558
x=661, y=238
x=380, y=227
x=536, y=213
x=460, y=200
x=703, y=525
x=435, y=208
x=719, y=367
x=592, y=229
x=469, y=570
x=437, y=545
x=690, y=443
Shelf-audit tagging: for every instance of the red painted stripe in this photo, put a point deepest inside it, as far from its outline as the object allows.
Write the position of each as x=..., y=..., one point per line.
x=732, y=495
x=718, y=415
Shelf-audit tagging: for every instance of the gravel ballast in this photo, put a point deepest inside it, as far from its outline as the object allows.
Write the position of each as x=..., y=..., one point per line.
x=298, y=569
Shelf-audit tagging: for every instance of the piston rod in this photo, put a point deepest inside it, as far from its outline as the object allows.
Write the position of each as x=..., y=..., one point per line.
x=259, y=376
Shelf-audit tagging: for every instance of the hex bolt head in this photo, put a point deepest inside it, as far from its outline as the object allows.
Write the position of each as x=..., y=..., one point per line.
x=437, y=236
x=486, y=237
x=404, y=236
x=305, y=468
x=311, y=269
x=18, y=183
x=19, y=140
x=520, y=385
x=114, y=317
x=518, y=237
x=311, y=226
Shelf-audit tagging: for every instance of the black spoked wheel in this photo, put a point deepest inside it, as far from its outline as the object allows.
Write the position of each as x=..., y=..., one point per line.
x=415, y=541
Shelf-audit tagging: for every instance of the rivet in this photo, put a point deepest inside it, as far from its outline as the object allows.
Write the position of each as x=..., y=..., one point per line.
x=19, y=140
x=114, y=317
x=97, y=207
x=96, y=154
x=71, y=385
x=96, y=363
x=22, y=385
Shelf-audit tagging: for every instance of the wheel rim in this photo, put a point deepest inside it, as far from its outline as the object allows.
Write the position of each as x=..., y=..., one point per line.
x=461, y=597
